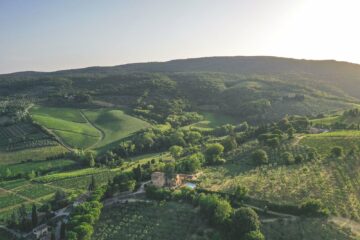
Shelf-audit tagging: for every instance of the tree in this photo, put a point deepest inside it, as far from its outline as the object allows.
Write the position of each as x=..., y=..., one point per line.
x=62, y=231
x=92, y=185
x=138, y=173
x=91, y=161
x=254, y=235
x=244, y=220
x=8, y=173
x=291, y=132
x=229, y=143
x=240, y=193
x=52, y=236
x=34, y=216
x=337, y=151
x=288, y=158
x=299, y=159
x=314, y=207
x=213, y=153
x=169, y=171
x=176, y=151
x=260, y=157
x=222, y=212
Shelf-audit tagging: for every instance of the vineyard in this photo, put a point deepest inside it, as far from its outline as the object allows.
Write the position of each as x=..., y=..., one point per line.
x=324, y=142
x=334, y=181
x=22, y=136
x=306, y=228
x=144, y=220
x=42, y=166
x=38, y=154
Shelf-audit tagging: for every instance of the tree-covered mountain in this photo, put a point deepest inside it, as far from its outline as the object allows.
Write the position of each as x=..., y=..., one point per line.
x=249, y=88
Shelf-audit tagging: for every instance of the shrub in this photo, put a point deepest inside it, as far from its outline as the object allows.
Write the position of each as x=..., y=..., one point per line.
x=244, y=221
x=288, y=158
x=254, y=235
x=299, y=159
x=314, y=208
x=260, y=157
x=337, y=151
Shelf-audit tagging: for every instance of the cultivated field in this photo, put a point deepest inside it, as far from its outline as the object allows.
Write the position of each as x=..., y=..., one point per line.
x=23, y=136
x=334, y=181
x=37, y=154
x=114, y=125
x=93, y=128
x=324, y=142
x=140, y=220
x=306, y=228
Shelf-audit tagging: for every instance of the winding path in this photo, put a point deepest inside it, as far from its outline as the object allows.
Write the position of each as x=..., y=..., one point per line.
x=101, y=132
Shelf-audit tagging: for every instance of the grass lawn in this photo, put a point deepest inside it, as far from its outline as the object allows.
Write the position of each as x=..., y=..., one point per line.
x=213, y=120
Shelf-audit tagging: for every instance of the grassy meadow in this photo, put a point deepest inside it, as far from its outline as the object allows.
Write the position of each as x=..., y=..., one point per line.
x=88, y=128
x=114, y=125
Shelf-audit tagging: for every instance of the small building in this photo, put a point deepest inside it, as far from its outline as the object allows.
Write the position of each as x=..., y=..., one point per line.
x=41, y=231
x=158, y=179
x=315, y=130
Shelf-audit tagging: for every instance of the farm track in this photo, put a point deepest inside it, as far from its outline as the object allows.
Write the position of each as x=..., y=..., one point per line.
x=101, y=132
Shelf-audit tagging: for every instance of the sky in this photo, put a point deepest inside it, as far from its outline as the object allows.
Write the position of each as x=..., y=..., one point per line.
x=48, y=35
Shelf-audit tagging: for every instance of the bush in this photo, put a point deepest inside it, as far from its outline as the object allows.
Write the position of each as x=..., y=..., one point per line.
x=337, y=151
x=260, y=157
x=314, y=208
x=254, y=235
x=244, y=221
x=288, y=158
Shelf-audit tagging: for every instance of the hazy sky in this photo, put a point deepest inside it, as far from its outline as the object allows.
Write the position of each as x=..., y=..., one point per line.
x=48, y=35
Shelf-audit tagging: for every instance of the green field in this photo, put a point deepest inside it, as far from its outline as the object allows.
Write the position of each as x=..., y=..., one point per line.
x=36, y=154
x=93, y=128
x=27, y=167
x=213, y=120
x=324, y=142
x=141, y=220
x=115, y=125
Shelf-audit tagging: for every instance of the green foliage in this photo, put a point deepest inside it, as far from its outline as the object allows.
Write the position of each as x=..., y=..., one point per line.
x=244, y=221
x=288, y=158
x=213, y=153
x=176, y=151
x=314, y=207
x=337, y=151
x=260, y=157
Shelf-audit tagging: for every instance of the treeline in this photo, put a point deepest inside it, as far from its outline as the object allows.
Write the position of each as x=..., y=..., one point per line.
x=233, y=223
x=84, y=216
